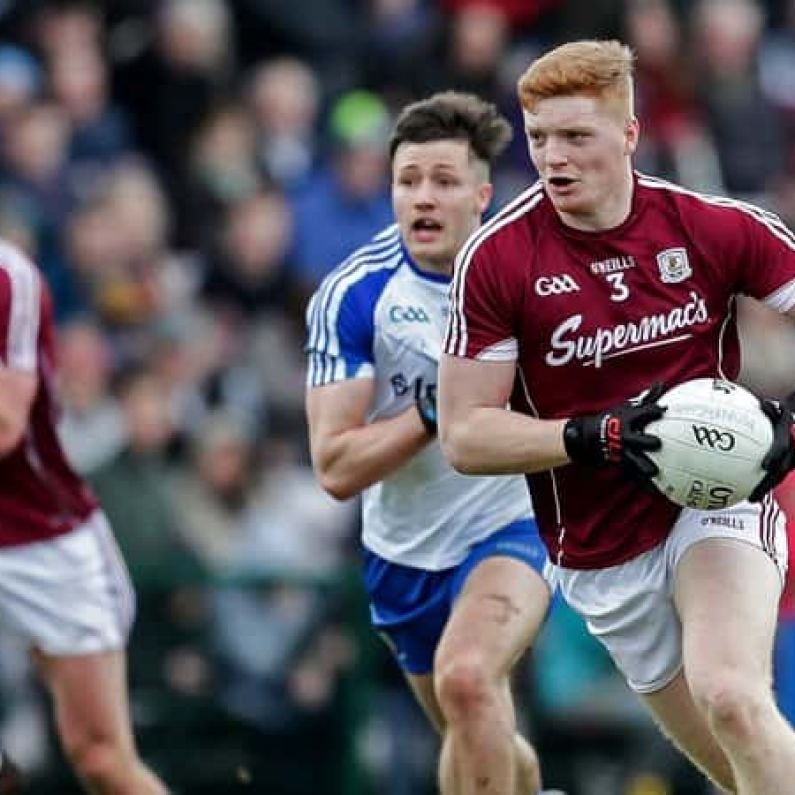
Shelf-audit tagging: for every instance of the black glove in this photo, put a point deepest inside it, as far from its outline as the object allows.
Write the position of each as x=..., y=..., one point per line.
x=617, y=436
x=780, y=459
x=425, y=401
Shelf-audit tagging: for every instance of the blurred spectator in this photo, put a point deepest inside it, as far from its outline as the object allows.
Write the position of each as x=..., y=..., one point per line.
x=100, y=132
x=250, y=288
x=746, y=128
x=204, y=362
x=37, y=192
x=244, y=511
x=279, y=653
x=187, y=349
x=17, y=225
x=20, y=81
x=215, y=492
x=324, y=33
x=781, y=197
x=92, y=428
x=401, y=35
x=222, y=169
x=475, y=39
x=62, y=27
x=518, y=13
x=90, y=245
x=348, y=201
x=284, y=96
x=250, y=273
x=674, y=144
x=133, y=486
x=33, y=163
x=174, y=81
x=117, y=246
x=777, y=69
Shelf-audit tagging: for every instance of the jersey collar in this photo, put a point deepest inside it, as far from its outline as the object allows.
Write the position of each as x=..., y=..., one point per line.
x=439, y=278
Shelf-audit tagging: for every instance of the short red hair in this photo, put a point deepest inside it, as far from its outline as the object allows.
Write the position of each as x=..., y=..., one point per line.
x=596, y=68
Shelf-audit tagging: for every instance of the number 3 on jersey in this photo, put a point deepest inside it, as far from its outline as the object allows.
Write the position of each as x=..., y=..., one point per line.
x=620, y=290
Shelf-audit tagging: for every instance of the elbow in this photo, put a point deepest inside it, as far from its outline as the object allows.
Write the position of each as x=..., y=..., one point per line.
x=454, y=447
x=336, y=487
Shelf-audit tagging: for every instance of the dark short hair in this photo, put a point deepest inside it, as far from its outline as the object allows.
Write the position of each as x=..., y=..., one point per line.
x=452, y=115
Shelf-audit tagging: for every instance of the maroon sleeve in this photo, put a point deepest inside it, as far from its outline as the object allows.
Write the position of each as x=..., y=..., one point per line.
x=768, y=268
x=483, y=302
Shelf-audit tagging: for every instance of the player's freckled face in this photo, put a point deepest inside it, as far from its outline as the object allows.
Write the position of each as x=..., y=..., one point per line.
x=439, y=192
x=581, y=148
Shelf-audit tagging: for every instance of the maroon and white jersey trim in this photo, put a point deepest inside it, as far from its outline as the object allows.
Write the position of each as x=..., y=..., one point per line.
x=23, y=324
x=456, y=341
x=782, y=299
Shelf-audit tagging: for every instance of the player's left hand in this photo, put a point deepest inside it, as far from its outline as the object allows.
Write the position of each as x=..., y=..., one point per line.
x=618, y=435
x=425, y=403
x=780, y=459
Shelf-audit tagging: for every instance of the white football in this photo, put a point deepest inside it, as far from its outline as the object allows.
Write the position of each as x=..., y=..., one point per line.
x=714, y=436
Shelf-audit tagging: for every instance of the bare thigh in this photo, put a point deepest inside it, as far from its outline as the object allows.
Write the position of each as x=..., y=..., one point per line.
x=497, y=615
x=727, y=597
x=90, y=698
x=725, y=592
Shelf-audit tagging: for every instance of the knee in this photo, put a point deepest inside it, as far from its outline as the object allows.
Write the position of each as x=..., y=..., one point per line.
x=464, y=686
x=733, y=703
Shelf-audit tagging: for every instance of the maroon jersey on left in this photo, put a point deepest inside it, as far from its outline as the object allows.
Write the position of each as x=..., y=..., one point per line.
x=40, y=495
x=593, y=319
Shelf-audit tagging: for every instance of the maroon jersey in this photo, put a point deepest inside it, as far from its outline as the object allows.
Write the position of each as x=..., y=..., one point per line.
x=595, y=318
x=40, y=495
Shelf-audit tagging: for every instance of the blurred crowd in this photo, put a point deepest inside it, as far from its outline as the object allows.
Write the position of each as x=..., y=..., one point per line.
x=185, y=171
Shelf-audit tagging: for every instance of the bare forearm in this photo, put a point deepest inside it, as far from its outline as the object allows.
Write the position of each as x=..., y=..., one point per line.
x=359, y=457
x=495, y=441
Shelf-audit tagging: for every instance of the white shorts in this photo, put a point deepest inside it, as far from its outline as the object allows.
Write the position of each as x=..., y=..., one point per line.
x=630, y=607
x=68, y=595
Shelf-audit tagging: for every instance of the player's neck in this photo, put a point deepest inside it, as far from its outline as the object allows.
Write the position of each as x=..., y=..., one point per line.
x=610, y=213
x=435, y=268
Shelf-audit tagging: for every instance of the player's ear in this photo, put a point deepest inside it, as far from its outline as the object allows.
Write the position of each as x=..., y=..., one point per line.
x=485, y=193
x=631, y=136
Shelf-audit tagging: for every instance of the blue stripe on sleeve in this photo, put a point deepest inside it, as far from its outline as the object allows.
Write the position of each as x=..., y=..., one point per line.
x=340, y=314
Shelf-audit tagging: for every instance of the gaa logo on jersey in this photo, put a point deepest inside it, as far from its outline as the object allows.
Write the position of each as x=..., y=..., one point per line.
x=408, y=314
x=674, y=265
x=556, y=285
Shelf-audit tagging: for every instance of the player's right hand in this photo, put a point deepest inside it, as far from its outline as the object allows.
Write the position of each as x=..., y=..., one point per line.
x=618, y=435
x=780, y=459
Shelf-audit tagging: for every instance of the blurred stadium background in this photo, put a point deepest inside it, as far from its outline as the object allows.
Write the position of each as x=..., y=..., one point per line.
x=184, y=172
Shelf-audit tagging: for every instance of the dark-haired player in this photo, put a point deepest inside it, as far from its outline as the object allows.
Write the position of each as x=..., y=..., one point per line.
x=452, y=564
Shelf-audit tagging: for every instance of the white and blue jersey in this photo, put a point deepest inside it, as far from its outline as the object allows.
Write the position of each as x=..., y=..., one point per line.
x=378, y=316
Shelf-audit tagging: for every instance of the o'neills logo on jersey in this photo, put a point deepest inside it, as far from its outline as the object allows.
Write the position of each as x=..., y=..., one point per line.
x=613, y=265
x=605, y=343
